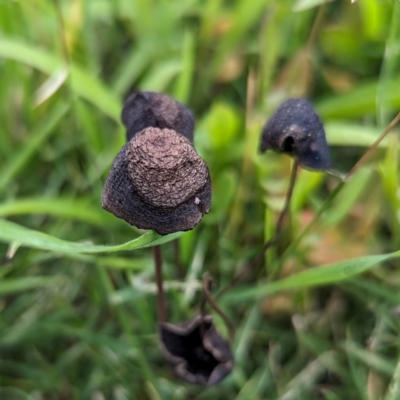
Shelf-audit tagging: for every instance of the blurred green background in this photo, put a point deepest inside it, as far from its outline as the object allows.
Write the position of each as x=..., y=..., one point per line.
x=82, y=326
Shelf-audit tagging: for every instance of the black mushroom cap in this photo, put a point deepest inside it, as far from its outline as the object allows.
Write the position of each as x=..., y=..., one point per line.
x=158, y=181
x=149, y=109
x=197, y=351
x=297, y=130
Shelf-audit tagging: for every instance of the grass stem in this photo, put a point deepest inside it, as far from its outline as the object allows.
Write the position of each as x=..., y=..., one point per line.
x=162, y=313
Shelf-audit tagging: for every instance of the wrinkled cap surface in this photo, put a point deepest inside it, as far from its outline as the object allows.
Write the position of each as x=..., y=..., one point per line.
x=197, y=351
x=158, y=181
x=164, y=167
x=148, y=109
x=297, y=130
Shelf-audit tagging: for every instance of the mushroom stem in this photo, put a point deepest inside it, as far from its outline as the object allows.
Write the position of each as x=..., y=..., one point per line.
x=279, y=224
x=162, y=313
x=207, y=281
x=271, y=242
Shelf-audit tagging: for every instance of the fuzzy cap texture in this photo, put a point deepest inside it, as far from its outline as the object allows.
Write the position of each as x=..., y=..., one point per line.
x=158, y=181
x=149, y=109
x=296, y=129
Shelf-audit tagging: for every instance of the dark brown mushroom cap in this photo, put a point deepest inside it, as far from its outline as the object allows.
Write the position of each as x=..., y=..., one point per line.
x=158, y=181
x=148, y=109
x=197, y=351
x=297, y=130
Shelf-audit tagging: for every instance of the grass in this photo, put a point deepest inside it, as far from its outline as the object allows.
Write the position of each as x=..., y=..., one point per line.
x=320, y=321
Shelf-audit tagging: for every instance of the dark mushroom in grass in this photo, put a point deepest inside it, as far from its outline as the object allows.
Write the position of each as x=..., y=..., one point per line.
x=158, y=181
x=199, y=354
x=149, y=109
x=297, y=130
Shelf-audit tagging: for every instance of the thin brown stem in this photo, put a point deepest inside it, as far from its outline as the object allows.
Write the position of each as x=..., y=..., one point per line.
x=289, y=194
x=274, y=240
x=162, y=313
x=279, y=224
x=207, y=281
x=372, y=148
x=291, y=248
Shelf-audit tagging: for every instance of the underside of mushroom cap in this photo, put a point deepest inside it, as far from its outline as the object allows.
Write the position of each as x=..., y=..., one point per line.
x=297, y=130
x=197, y=351
x=149, y=109
x=158, y=181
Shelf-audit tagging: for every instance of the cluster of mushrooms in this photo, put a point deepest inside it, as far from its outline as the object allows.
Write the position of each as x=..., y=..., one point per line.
x=158, y=181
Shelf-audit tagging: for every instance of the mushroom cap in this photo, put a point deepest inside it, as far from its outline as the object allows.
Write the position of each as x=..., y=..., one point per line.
x=297, y=130
x=197, y=351
x=158, y=181
x=149, y=109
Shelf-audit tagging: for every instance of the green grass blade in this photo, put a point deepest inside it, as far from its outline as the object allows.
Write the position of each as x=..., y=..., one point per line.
x=184, y=82
x=60, y=207
x=14, y=393
x=358, y=102
x=393, y=392
x=83, y=82
x=14, y=233
x=389, y=68
x=160, y=77
x=37, y=137
x=17, y=285
x=302, y=5
x=317, y=276
x=348, y=197
x=372, y=360
x=339, y=133
x=132, y=66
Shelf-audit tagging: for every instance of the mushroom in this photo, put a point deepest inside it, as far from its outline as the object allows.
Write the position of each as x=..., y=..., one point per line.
x=197, y=351
x=158, y=181
x=297, y=130
x=149, y=109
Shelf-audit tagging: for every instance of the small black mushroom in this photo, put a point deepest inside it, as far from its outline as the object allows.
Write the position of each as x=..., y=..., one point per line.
x=297, y=130
x=197, y=351
x=158, y=181
x=148, y=109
